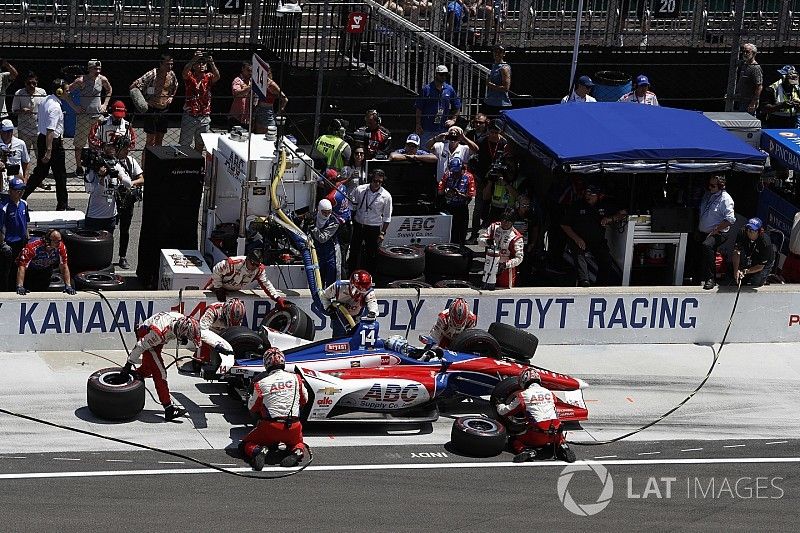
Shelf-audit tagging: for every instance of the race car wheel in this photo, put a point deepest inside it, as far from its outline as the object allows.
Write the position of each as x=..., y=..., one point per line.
x=454, y=284
x=408, y=284
x=98, y=280
x=245, y=342
x=111, y=398
x=478, y=342
x=400, y=262
x=292, y=321
x=478, y=436
x=500, y=394
x=516, y=343
x=447, y=259
x=89, y=249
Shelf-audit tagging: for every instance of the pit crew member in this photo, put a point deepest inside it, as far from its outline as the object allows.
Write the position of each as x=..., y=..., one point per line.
x=354, y=295
x=277, y=398
x=510, y=244
x=452, y=321
x=235, y=273
x=324, y=231
x=36, y=261
x=218, y=317
x=152, y=335
x=537, y=405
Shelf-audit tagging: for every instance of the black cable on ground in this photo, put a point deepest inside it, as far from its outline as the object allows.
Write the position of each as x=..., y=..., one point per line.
x=689, y=397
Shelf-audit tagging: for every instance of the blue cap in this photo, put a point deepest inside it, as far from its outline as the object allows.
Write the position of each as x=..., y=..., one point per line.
x=455, y=165
x=641, y=79
x=413, y=139
x=754, y=224
x=16, y=184
x=786, y=70
x=586, y=81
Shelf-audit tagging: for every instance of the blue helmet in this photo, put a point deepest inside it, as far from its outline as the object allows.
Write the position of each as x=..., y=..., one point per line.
x=455, y=165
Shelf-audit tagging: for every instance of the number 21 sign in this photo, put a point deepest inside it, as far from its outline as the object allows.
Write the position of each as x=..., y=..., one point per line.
x=356, y=22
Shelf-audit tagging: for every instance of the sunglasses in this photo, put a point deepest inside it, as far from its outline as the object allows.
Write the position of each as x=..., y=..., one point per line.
x=360, y=153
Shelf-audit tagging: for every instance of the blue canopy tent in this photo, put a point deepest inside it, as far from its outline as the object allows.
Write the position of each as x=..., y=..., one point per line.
x=626, y=138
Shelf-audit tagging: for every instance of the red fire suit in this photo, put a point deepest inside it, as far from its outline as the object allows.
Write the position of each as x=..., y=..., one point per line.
x=232, y=274
x=539, y=406
x=212, y=324
x=443, y=332
x=511, y=245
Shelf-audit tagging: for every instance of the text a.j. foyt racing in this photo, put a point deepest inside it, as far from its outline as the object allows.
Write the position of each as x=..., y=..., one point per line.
x=363, y=378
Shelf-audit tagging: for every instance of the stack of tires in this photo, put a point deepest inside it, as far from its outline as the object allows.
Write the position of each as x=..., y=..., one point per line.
x=446, y=263
x=90, y=253
x=394, y=263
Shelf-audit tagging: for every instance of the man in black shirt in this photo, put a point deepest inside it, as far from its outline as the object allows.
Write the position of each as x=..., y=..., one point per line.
x=753, y=255
x=491, y=149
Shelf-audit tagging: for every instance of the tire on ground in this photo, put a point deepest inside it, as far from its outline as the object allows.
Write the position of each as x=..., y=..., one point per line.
x=500, y=394
x=516, y=343
x=292, y=320
x=114, y=401
x=451, y=260
x=454, y=284
x=245, y=342
x=400, y=262
x=478, y=436
x=408, y=284
x=476, y=341
x=88, y=249
x=99, y=280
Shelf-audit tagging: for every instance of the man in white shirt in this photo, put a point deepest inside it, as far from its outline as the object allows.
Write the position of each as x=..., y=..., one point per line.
x=446, y=146
x=14, y=158
x=581, y=91
x=101, y=184
x=25, y=106
x=50, y=147
x=372, y=212
x=641, y=93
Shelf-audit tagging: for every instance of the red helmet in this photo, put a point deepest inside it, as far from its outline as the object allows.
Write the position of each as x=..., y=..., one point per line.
x=274, y=358
x=187, y=329
x=458, y=313
x=360, y=282
x=528, y=377
x=233, y=310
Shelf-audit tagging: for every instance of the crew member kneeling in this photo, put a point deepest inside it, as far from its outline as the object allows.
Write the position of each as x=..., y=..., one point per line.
x=354, y=296
x=452, y=321
x=276, y=398
x=218, y=317
x=538, y=406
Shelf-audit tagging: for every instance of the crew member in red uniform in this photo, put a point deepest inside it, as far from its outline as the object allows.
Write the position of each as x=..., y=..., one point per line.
x=537, y=405
x=236, y=273
x=152, y=335
x=277, y=398
x=510, y=244
x=36, y=261
x=354, y=295
x=218, y=317
x=452, y=321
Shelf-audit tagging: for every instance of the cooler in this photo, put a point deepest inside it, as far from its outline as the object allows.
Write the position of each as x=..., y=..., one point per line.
x=182, y=269
x=743, y=125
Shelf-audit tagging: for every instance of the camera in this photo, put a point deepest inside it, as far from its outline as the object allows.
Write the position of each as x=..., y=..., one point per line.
x=94, y=160
x=359, y=136
x=496, y=171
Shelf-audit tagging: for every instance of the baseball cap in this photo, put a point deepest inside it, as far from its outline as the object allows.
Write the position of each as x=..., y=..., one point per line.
x=94, y=63
x=754, y=224
x=786, y=70
x=641, y=79
x=413, y=139
x=6, y=125
x=442, y=69
x=332, y=174
x=118, y=109
x=17, y=184
x=586, y=81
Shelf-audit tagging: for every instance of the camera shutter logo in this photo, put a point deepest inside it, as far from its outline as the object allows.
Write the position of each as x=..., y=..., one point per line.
x=585, y=509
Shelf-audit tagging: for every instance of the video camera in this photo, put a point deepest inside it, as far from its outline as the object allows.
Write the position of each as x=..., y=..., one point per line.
x=94, y=160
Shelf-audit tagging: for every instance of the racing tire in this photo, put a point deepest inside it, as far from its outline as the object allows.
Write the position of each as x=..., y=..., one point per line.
x=516, y=343
x=454, y=284
x=292, y=321
x=448, y=259
x=98, y=281
x=400, y=262
x=245, y=342
x=114, y=401
x=88, y=249
x=382, y=282
x=500, y=394
x=477, y=341
x=56, y=283
x=408, y=284
x=478, y=436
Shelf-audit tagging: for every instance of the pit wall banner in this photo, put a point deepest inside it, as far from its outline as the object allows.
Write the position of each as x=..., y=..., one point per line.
x=620, y=315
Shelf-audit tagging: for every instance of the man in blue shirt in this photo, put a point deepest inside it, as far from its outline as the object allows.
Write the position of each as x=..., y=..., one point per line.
x=412, y=152
x=437, y=107
x=14, y=220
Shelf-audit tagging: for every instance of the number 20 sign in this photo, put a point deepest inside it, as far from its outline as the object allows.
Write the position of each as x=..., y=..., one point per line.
x=666, y=8
x=356, y=22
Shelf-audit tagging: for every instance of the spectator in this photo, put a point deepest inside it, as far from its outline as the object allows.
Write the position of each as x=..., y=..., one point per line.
x=781, y=99
x=509, y=243
x=580, y=93
x=372, y=212
x=241, y=89
x=495, y=15
x=412, y=152
x=446, y=146
x=50, y=146
x=330, y=149
x=89, y=106
x=14, y=158
x=36, y=261
x=14, y=219
x=26, y=106
x=753, y=254
x=490, y=152
x=716, y=218
x=264, y=113
x=356, y=171
x=159, y=86
x=101, y=183
x=458, y=13
x=379, y=137
x=585, y=225
x=499, y=192
x=479, y=128
x=641, y=93
x=199, y=75
x=323, y=232
x=750, y=81
x=642, y=15
x=6, y=79
x=126, y=198
x=111, y=129
x=437, y=107
x=458, y=188
x=236, y=273
x=498, y=84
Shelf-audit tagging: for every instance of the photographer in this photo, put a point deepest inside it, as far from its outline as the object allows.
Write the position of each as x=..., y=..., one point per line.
x=104, y=175
x=448, y=145
x=375, y=137
x=113, y=127
x=126, y=198
x=779, y=108
x=199, y=75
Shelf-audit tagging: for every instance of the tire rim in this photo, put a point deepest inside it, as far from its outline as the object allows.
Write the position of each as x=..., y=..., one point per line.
x=99, y=277
x=448, y=248
x=108, y=379
x=280, y=321
x=481, y=425
x=402, y=250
